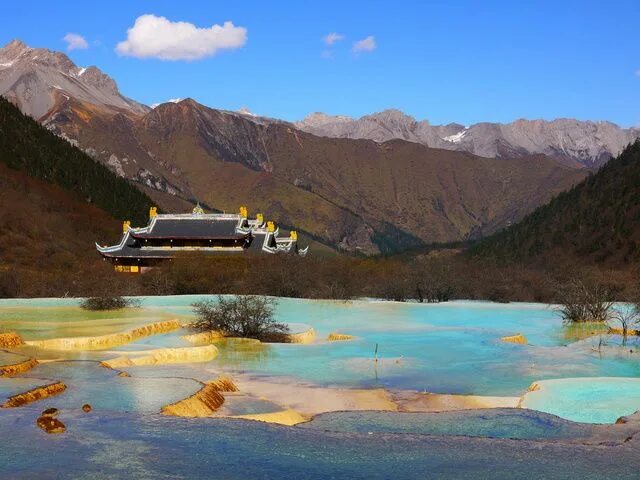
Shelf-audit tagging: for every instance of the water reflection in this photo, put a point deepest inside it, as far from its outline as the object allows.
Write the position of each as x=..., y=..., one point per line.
x=243, y=352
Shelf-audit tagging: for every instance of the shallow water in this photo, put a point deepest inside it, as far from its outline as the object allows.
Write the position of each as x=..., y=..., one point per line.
x=108, y=446
x=103, y=389
x=443, y=348
x=494, y=423
x=594, y=400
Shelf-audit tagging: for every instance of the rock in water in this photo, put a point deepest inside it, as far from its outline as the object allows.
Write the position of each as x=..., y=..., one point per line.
x=50, y=424
x=86, y=408
x=50, y=412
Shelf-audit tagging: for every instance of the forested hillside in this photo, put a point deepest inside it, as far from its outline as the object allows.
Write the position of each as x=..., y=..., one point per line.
x=27, y=146
x=598, y=221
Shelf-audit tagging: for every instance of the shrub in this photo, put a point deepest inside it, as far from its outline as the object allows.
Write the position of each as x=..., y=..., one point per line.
x=581, y=303
x=242, y=316
x=107, y=303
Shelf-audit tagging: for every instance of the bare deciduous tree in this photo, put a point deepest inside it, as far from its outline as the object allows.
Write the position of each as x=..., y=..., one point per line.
x=627, y=318
x=581, y=303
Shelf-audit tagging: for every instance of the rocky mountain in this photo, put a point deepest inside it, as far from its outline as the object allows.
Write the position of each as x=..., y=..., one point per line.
x=584, y=143
x=567, y=229
x=38, y=80
x=355, y=195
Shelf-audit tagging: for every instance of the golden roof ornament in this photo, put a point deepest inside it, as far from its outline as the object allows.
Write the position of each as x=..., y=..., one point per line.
x=198, y=210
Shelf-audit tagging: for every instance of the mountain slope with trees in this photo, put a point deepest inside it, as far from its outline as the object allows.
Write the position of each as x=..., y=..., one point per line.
x=26, y=146
x=55, y=202
x=598, y=220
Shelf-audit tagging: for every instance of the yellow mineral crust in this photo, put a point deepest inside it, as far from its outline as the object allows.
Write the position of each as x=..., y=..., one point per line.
x=518, y=338
x=204, y=402
x=163, y=356
x=10, y=339
x=106, y=341
x=283, y=417
x=435, y=402
x=534, y=387
x=224, y=384
x=34, y=395
x=16, y=368
x=203, y=338
x=334, y=337
x=618, y=331
x=307, y=336
x=311, y=400
x=201, y=404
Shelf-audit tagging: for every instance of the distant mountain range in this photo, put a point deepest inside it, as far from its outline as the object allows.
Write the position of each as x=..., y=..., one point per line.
x=356, y=195
x=573, y=142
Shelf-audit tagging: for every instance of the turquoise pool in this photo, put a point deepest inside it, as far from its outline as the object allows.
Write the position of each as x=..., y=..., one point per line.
x=453, y=347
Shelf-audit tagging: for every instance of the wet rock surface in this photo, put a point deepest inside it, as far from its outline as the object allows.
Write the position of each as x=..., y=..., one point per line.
x=51, y=424
x=50, y=412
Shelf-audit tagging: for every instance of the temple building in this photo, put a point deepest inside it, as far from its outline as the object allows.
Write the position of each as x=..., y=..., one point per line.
x=167, y=235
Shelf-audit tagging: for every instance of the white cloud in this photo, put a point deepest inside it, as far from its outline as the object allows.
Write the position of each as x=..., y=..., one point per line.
x=332, y=38
x=365, y=45
x=75, y=42
x=157, y=37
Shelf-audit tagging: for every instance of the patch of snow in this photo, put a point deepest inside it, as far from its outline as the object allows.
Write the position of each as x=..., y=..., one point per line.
x=246, y=111
x=171, y=100
x=6, y=65
x=81, y=71
x=456, y=137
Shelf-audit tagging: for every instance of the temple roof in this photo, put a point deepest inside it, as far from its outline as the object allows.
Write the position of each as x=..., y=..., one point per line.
x=254, y=235
x=192, y=227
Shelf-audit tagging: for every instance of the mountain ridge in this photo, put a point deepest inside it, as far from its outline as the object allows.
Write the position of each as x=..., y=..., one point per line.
x=582, y=143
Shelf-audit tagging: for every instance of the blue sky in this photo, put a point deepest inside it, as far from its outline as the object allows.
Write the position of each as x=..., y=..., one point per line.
x=443, y=61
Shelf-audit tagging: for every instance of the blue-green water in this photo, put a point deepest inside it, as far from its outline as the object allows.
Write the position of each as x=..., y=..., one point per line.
x=104, y=390
x=448, y=348
x=593, y=400
x=494, y=423
x=444, y=348
x=126, y=446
